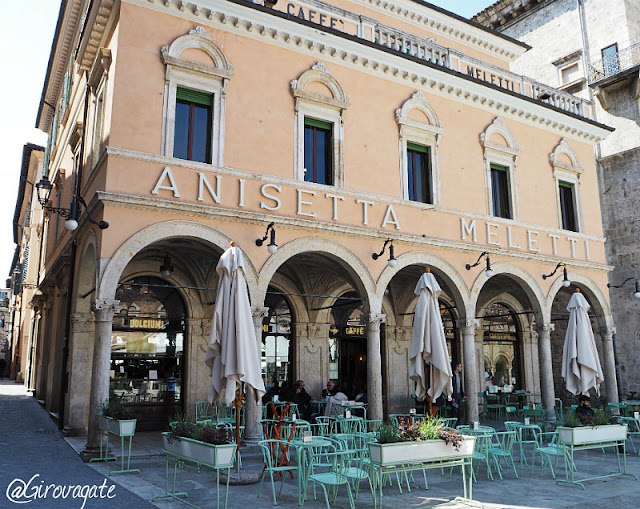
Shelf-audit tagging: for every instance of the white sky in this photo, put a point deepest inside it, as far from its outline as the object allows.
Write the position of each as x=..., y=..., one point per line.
x=26, y=34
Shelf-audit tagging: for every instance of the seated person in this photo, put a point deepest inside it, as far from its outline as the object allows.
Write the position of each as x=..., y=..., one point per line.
x=584, y=412
x=334, y=399
x=302, y=398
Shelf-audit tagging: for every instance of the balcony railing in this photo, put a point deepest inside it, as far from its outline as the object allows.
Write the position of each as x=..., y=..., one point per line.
x=615, y=64
x=429, y=51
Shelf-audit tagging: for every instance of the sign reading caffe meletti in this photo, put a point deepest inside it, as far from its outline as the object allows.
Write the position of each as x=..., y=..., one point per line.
x=270, y=196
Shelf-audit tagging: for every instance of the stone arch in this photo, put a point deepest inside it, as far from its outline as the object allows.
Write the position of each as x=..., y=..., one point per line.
x=358, y=271
x=591, y=290
x=526, y=281
x=197, y=39
x=87, y=273
x=443, y=270
x=160, y=231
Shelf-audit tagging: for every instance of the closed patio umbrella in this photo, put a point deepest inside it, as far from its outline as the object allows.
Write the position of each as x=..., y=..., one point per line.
x=232, y=354
x=580, y=362
x=429, y=362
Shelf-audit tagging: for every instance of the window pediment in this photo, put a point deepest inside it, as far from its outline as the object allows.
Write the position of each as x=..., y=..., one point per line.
x=564, y=159
x=491, y=139
x=303, y=88
x=196, y=39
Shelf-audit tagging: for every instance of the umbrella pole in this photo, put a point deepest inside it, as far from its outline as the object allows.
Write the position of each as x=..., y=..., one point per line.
x=237, y=403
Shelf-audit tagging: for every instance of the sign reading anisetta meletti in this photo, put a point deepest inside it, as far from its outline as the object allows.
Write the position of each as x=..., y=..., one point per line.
x=270, y=196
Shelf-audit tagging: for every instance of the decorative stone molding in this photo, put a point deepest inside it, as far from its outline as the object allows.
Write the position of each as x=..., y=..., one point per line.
x=322, y=107
x=318, y=330
x=211, y=79
x=81, y=322
x=503, y=155
x=100, y=68
x=569, y=172
x=374, y=320
x=427, y=134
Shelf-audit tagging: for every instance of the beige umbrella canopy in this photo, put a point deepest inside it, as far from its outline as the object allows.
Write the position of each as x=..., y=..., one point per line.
x=580, y=362
x=429, y=361
x=232, y=354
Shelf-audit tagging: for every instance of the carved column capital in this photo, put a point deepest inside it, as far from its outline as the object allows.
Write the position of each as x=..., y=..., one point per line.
x=375, y=319
x=606, y=333
x=105, y=309
x=258, y=313
x=468, y=326
x=545, y=328
x=318, y=330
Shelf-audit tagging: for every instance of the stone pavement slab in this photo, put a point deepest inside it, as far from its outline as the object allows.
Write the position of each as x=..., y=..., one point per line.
x=26, y=451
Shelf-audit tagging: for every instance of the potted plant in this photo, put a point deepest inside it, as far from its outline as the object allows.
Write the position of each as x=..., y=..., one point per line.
x=430, y=440
x=587, y=429
x=116, y=419
x=208, y=444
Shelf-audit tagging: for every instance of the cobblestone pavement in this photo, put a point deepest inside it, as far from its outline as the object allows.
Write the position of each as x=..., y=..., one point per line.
x=26, y=451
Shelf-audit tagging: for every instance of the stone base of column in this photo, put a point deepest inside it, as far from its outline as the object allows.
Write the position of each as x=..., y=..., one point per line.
x=90, y=452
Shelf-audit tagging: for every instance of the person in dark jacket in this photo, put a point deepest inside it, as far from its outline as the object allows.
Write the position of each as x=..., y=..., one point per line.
x=458, y=398
x=584, y=412
x=302, y=398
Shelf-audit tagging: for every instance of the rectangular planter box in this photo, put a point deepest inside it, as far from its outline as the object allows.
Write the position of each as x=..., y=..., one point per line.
x=218, y=456
x=122, y=428
x=417, y=452
x=583, y=435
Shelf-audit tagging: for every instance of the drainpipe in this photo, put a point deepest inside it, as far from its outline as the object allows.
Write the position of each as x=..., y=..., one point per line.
x=72, y=269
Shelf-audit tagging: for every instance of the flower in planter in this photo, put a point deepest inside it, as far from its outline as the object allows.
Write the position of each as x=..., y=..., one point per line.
x=429, y=429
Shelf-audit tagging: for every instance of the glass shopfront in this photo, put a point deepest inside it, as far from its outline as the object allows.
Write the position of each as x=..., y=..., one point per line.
x=502, y=360
x=147, y=351
x=276, y=360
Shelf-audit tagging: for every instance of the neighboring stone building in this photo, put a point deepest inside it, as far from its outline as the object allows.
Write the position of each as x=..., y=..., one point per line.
x=26, y=299
x=334, y=130
x=591, y=48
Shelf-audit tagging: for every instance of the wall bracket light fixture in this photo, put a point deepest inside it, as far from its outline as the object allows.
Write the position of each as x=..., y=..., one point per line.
x=565, y=280
x=636, y=294
x=487, y=271
x=392, y=259
x=272, y=247
x=71, y=214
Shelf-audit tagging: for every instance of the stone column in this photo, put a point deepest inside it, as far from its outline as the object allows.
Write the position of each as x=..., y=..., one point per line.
x=103, y=311
x=609, y=367
x=374, y=366
x=546, y=369
x=470, y=370
x=253, y=409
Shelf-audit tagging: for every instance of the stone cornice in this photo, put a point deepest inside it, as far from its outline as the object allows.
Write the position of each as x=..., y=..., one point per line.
x=61, y=49
x=274, y=179
x=478, y=37
x=256, y=22
x=95, y=31
x=192, y=210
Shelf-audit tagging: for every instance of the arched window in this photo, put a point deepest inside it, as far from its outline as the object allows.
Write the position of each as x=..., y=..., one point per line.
x=277, y=354
x=502, y=352
x=147, y=350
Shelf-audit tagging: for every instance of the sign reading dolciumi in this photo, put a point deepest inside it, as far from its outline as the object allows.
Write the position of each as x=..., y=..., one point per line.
x=270, y=197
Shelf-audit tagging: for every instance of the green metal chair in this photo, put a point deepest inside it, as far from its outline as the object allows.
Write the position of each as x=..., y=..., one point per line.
x=633, y=426
x=481, y=454
x=502, y=449
x=278, y=459
x=356, y=459
x=334, y=475
x=204, y=411
x=548, y=446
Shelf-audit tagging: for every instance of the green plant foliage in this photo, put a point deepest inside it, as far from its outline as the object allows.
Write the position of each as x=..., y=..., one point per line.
x=209, y=433
x=430, y=429
x=602, y=417
x=115, y=409
x=571, y=421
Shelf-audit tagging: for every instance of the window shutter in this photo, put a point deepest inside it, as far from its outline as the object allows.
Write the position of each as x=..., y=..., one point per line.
x=193, y=96
x=320, y=124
